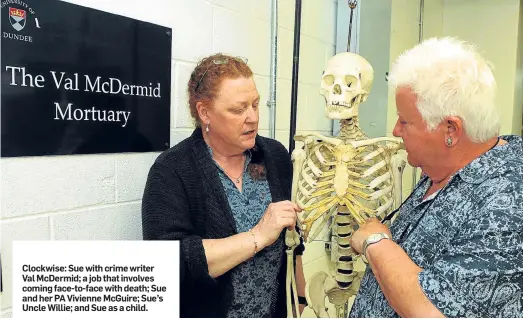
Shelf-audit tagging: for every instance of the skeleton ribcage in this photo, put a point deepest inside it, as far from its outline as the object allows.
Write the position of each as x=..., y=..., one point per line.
x=349, y=185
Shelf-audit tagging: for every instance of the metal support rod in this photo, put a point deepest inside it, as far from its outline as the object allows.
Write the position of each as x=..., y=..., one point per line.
x=352, y=6
x=271, y=103
x=295, y=71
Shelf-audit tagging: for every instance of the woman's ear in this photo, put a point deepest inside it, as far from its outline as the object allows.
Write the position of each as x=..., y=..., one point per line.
x=203, y=113
x=454, y=128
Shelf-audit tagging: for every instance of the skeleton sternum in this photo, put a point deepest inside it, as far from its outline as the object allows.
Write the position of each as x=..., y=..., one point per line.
x=341, y=177
x=341, y=180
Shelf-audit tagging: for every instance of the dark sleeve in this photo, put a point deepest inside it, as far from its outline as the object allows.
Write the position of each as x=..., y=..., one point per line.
x=480, y=274
x=166, y=216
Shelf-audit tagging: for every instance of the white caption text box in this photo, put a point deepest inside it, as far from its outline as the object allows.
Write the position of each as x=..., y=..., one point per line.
x=81, y=279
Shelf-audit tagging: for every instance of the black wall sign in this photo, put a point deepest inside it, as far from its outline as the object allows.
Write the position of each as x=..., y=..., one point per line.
x=77, y=80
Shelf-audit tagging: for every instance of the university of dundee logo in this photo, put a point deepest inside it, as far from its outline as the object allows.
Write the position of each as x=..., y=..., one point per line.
x=21, y=17
x=17, y=17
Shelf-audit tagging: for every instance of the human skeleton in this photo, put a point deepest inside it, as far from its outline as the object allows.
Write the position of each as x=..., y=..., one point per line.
x=339, y=182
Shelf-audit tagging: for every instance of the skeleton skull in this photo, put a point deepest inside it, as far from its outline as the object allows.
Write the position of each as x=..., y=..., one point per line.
x=345, y=84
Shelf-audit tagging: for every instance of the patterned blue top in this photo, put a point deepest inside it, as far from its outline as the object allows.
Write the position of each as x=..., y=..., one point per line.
x=468, y=239
x=255, y=280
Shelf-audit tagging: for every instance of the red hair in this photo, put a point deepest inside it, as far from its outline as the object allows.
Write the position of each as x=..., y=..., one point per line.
x=206, y=78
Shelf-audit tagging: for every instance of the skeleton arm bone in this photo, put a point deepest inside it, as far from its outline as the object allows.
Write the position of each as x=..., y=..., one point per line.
x=298, y=158
x=360, y=143
x=292, y=240
x=309, y=137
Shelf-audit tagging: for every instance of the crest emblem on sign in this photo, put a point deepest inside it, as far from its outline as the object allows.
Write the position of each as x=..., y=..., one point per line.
x=17, y=17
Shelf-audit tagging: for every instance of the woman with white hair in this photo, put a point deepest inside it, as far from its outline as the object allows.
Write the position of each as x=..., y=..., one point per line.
x=456, y=247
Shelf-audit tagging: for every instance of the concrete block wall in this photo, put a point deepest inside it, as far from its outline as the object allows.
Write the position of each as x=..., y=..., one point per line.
x=461, y=19
x=404, y=34
x=90, y=197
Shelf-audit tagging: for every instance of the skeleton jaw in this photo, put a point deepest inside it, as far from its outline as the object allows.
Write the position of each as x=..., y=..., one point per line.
x=341, y=110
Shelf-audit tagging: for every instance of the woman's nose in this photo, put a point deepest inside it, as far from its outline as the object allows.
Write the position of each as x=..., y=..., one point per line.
x=252, y=115
x=397, y=130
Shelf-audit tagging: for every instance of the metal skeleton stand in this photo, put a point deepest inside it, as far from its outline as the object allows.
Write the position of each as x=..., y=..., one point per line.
x=352, y=6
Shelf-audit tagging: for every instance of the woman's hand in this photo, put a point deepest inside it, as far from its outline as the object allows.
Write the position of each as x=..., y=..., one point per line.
x=276, y=217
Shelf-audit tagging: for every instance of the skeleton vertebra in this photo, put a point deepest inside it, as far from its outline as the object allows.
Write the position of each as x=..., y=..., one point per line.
x=344, y=179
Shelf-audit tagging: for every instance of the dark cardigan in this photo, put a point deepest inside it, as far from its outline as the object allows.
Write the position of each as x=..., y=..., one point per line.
x=184, y=200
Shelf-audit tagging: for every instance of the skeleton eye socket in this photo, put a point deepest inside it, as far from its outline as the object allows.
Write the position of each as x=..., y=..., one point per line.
x=329, y=79
x=350, y=81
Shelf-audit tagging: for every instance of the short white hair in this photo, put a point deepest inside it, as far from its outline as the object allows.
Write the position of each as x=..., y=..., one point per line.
x=450, y=78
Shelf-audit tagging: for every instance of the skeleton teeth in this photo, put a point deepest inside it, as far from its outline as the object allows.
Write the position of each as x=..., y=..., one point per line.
x=338, y=106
